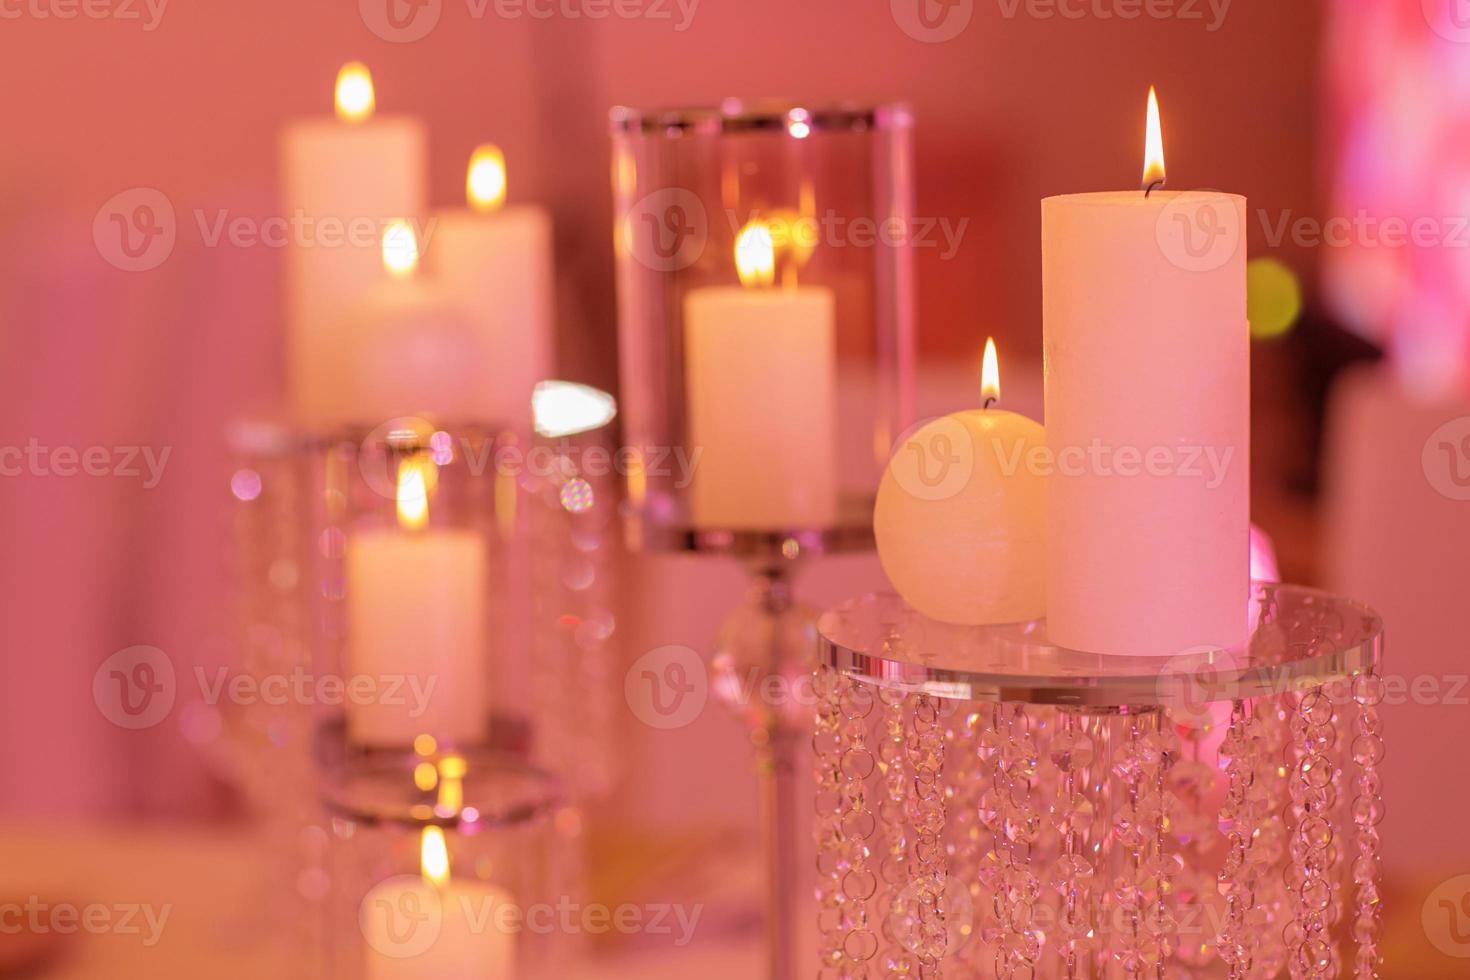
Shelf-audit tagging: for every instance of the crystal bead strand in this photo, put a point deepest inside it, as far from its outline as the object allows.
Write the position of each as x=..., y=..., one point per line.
x=965, y=833
x=927, y=868
x=900, y=958
x=1020, y=947
x=1239, y=821
x=1072, y=753
x=1313, y=953
x=1367, y=751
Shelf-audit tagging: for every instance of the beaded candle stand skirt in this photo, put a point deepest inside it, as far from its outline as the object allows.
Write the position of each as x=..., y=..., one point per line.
x=989, y=805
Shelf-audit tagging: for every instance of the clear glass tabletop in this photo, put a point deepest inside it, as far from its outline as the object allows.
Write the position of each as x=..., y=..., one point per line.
x=1300, y=638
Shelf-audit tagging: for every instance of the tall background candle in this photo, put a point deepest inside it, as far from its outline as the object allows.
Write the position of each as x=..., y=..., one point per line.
x=342, y=180
x=760, y=374
x=1147, y=417
x=495, y=262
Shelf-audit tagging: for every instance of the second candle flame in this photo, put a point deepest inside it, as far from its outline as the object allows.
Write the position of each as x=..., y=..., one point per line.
x=413, y=495
x=355, y=99
x=990, y=375
x=1153, y=144
x=755, y=255
x=434, y=856
x=485, y=183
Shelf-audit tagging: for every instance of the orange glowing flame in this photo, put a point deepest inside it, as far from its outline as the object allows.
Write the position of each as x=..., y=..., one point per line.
x=755, y=255
x=413, y=495
x=434, y=856
x=1153, y=144
x=400, y=249
x=355, y=99
x=485, y=182
x=990, y=374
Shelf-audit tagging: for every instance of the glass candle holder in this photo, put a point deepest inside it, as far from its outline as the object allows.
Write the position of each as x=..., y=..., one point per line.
x=445, y=864
x=765, y=318
x=426, y=577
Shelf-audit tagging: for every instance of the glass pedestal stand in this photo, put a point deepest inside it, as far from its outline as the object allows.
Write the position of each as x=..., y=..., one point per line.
x=991, y=805
x=767, y=650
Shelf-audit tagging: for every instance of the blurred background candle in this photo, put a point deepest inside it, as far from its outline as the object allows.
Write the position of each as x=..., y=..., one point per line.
x=342, y=180
x=399, y=912
x=495, y=262
x=414, y=351
x=760, y=365
x=416, y=608
x=1147, y=416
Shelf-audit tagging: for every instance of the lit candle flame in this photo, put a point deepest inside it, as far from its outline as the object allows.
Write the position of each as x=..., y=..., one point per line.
x=990, y=375
x=485, y=182
x=434, y=856
x=413, y=495
x=1153, y=144
x=355, y=99
x=400, y=249
x=755, y=255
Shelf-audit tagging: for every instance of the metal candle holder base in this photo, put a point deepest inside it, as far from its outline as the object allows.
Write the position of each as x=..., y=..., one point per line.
x=991, y=805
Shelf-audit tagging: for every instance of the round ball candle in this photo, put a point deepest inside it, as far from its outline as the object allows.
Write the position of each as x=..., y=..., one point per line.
x=414, y=351
x=761, y=383
x=338, y=177
x=1147, y=417
x=436, y=928
x=495, y=262
x=416, y=609
x=960, y=516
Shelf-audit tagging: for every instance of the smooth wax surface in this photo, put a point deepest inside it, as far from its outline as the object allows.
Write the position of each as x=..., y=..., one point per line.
x=960, y=519
x=761, y=376
x=1148, y=418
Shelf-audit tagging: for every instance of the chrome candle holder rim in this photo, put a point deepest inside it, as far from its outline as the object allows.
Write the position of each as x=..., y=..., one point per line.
x=499, y=790
x=735, y=116
x=881, y=640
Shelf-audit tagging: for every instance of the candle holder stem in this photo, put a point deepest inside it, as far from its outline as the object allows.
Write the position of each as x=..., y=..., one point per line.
x=767, y=649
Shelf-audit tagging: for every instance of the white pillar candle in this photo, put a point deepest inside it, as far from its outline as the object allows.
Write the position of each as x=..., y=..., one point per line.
x=495, y=262
x=414, y=350
x=342, y=180
x=435, y=928
x=1147, y=418
x=760, y=378
x=416, y=609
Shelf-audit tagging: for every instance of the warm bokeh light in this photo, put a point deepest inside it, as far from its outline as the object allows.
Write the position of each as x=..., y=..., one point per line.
x=1273, y=297
x=434, y=856
x=485, y=182
x=413, y=495
x=452, y=771
x=990, y=374
x=400, y=249
x=1153, y=143
x=755, y=255
x=565, y=408
x=355, y=98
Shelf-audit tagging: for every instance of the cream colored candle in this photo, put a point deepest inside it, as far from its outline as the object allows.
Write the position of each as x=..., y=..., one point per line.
x=416, y=617
x=342, y=180
x=760, y=375
x=1147, y=418
x=436, y=928
x=960, y=519
x=414, y=350
x=495, y=262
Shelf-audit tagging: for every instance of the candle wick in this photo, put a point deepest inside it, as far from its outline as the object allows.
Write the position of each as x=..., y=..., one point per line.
x=1153, y=184
x=989, y=401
